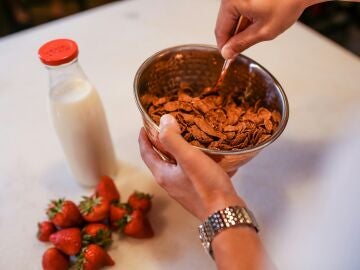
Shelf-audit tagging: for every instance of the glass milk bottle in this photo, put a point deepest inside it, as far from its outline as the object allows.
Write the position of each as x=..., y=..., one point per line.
x=78, y=115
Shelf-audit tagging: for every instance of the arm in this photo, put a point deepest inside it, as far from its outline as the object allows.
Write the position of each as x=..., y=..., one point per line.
x=240, y=248
x=268, y=20
x=202, y=187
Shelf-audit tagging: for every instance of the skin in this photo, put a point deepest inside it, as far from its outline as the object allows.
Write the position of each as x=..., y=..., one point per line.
x=268, y=20
x=196, y=182
x=185, y=183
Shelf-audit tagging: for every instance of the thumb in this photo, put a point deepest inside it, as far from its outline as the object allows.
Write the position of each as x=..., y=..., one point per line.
x=170, y=136
x=194, y=162
x=171, y=139
x=169, y=124
x=241, y=41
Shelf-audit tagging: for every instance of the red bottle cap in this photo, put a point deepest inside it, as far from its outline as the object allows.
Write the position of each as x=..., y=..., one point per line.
x=58, y=51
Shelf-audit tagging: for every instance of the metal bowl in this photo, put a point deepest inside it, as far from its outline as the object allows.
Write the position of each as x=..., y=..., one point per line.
x=199, y=66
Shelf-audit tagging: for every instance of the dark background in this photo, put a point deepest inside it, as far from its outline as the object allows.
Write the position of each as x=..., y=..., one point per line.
x=339, y=21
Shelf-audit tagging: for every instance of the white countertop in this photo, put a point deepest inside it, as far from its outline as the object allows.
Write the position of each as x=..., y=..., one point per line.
x=320, y=78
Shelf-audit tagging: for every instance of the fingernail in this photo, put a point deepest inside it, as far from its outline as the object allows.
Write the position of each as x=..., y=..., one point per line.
x=227, y=52
x=166, y=120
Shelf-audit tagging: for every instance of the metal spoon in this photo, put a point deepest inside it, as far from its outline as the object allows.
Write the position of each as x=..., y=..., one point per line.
x=242, y=24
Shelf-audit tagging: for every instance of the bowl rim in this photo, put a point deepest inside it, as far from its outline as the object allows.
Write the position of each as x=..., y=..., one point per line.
x=178, y=48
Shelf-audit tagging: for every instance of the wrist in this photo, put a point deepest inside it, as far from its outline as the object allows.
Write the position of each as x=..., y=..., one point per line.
x=220, y=202
x=224, y=220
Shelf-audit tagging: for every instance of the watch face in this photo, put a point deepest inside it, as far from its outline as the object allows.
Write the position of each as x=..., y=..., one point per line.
x=222, y=219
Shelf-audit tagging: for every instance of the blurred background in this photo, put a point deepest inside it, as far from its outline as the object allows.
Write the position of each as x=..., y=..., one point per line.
x=339, y=21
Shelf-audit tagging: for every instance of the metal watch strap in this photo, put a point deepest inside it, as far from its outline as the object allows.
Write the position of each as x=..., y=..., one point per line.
x=228, y=217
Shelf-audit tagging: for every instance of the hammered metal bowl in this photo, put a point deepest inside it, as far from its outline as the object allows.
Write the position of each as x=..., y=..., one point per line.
x=199, y=66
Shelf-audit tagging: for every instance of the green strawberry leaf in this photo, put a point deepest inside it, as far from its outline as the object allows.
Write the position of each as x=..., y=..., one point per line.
x=88, y=203
x=55, y=207
x=121, y=223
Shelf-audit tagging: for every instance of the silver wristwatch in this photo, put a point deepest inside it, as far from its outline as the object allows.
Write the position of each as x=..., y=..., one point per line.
x=228, y=217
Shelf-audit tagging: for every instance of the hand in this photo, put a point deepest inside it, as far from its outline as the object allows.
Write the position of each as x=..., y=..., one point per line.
x=199, y=184
x=202, y=187
x=268, y=19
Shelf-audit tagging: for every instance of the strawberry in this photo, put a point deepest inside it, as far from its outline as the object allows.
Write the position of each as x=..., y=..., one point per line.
x=118, y=215
x=94, y=208
x=138, y=225
x=64, y=214
x=97, y=233
x=93, y=257
x=53, y=259
x=45, y=229
x=140, y=201
x=67, y=240
x=107, y=189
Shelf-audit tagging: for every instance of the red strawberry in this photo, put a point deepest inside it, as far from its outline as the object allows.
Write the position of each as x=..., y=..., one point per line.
x=107, y=189
x=118, y=213
x=138, y=225
x=140, y=201
x=64, y=214
x=93, y=257
x=67, y=240
x=97, y=233
x=94, y=208
x=45, y=229
x=53, y=259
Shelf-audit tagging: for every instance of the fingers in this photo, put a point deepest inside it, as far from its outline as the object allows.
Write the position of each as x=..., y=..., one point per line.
x=171, y=138
x=148, y=154
x=225, y=24
x=194, y=162
x=243, y=40
x=166, y=175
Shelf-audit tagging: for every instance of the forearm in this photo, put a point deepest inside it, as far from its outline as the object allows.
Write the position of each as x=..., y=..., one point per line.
x=203, y=187
x=240, y=248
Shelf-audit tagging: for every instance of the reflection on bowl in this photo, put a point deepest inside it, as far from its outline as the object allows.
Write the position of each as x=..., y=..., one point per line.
x=199, y=66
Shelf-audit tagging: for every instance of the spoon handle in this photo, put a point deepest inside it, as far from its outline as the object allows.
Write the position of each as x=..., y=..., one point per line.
x=241, y=25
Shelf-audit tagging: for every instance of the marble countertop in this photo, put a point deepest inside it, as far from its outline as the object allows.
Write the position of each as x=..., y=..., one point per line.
x=320, y=78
